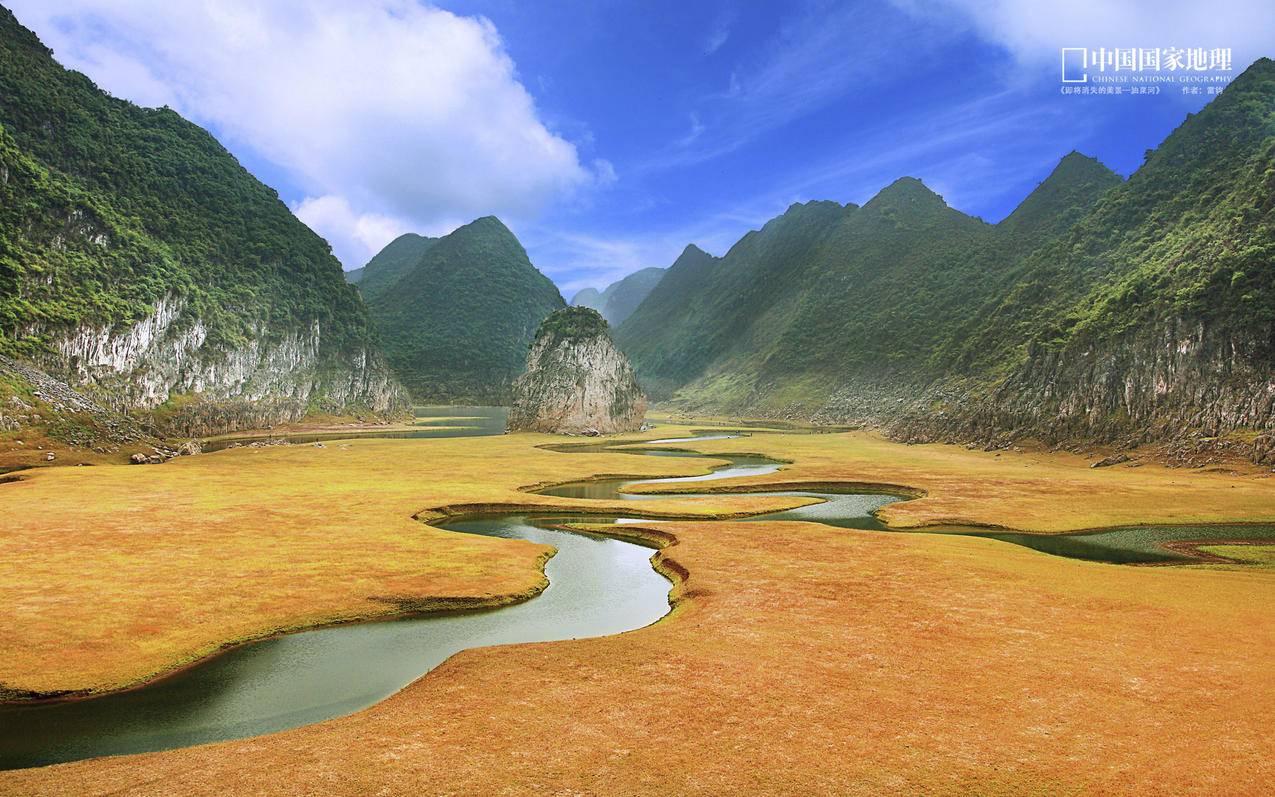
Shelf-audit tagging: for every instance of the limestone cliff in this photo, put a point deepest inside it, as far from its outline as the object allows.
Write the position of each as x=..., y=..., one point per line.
x=142, y=267
x=1203, y=385
x=270, y=377
x=577, y=381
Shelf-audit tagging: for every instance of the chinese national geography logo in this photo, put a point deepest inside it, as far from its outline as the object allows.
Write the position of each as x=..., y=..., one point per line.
x=1145, y=70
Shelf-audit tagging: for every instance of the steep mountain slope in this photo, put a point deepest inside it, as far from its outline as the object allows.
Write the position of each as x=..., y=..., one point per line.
x=389, y=264
x=895, y=282
x=456, y=324
x=622, y=297
x=827, y=300
x=1155, y=314
x=141, y=262
x=1099, y=309
x=706, y=308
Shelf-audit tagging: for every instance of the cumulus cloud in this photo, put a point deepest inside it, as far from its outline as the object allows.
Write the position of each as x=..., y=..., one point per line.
x=1034, y=30
x=386, y=114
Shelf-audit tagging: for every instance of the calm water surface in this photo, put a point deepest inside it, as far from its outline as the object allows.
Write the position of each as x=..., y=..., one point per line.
x=434, y=422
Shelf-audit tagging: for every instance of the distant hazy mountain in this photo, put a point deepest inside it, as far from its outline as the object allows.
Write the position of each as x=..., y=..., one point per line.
x=620, y=298
x=588, y=297
x=456, y=319
x=1099, y=308
x=140, y=261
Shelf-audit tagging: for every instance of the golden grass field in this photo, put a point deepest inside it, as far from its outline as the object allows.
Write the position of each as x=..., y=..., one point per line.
x=118, y=573
x=799, y=658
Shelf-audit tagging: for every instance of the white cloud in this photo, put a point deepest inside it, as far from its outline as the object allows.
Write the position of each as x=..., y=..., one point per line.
x=604, y=172
x=1034, y=30
x=385, y=113
x=354, y=236
x=719, y=32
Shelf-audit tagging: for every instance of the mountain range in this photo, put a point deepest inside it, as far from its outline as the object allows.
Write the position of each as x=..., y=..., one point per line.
x=827, y=293
x=1100, y=308
x=144, y=269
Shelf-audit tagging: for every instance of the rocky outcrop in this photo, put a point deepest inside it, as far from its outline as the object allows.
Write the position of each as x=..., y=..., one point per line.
x=1180, y=375
x=1196, y=385
x=577, y=381
x=66, y=413
x=167, y=358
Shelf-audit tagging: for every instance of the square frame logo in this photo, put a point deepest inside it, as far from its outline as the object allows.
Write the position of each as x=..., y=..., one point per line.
x=1083, y=59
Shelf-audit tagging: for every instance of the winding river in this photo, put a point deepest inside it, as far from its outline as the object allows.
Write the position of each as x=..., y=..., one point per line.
x=597, y=586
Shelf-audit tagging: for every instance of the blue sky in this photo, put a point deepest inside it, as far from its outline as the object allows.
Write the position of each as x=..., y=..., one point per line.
x=609, y=135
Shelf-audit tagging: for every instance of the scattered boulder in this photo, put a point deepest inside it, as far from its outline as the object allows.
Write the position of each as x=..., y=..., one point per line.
x=137, y=459
x=576, y=381
x=189, y=448
x=49, y=457
x=1114, y=459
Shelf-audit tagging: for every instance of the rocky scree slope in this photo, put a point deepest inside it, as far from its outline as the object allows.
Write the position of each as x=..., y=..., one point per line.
x=142, y=265
x=577, y=381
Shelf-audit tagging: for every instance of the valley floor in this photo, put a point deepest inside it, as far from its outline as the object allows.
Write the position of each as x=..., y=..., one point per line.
x=799, y=658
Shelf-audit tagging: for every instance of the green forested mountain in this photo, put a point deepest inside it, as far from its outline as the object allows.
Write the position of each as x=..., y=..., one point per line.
x=1099, y=307
x=115, y=216
x=902, y=276
x=679, y=294
x=1188, y=233
x=826, y=294
x=706, y=309
x=456, y=324
x=1155, y=313
x=385, y=268
x=622, y=297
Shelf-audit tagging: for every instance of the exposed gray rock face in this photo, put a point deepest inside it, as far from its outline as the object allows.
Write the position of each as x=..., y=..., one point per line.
x=272, y=378
x=577, y=381
x=1180, y=381
x=1180, y=375
x=1200, y=389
